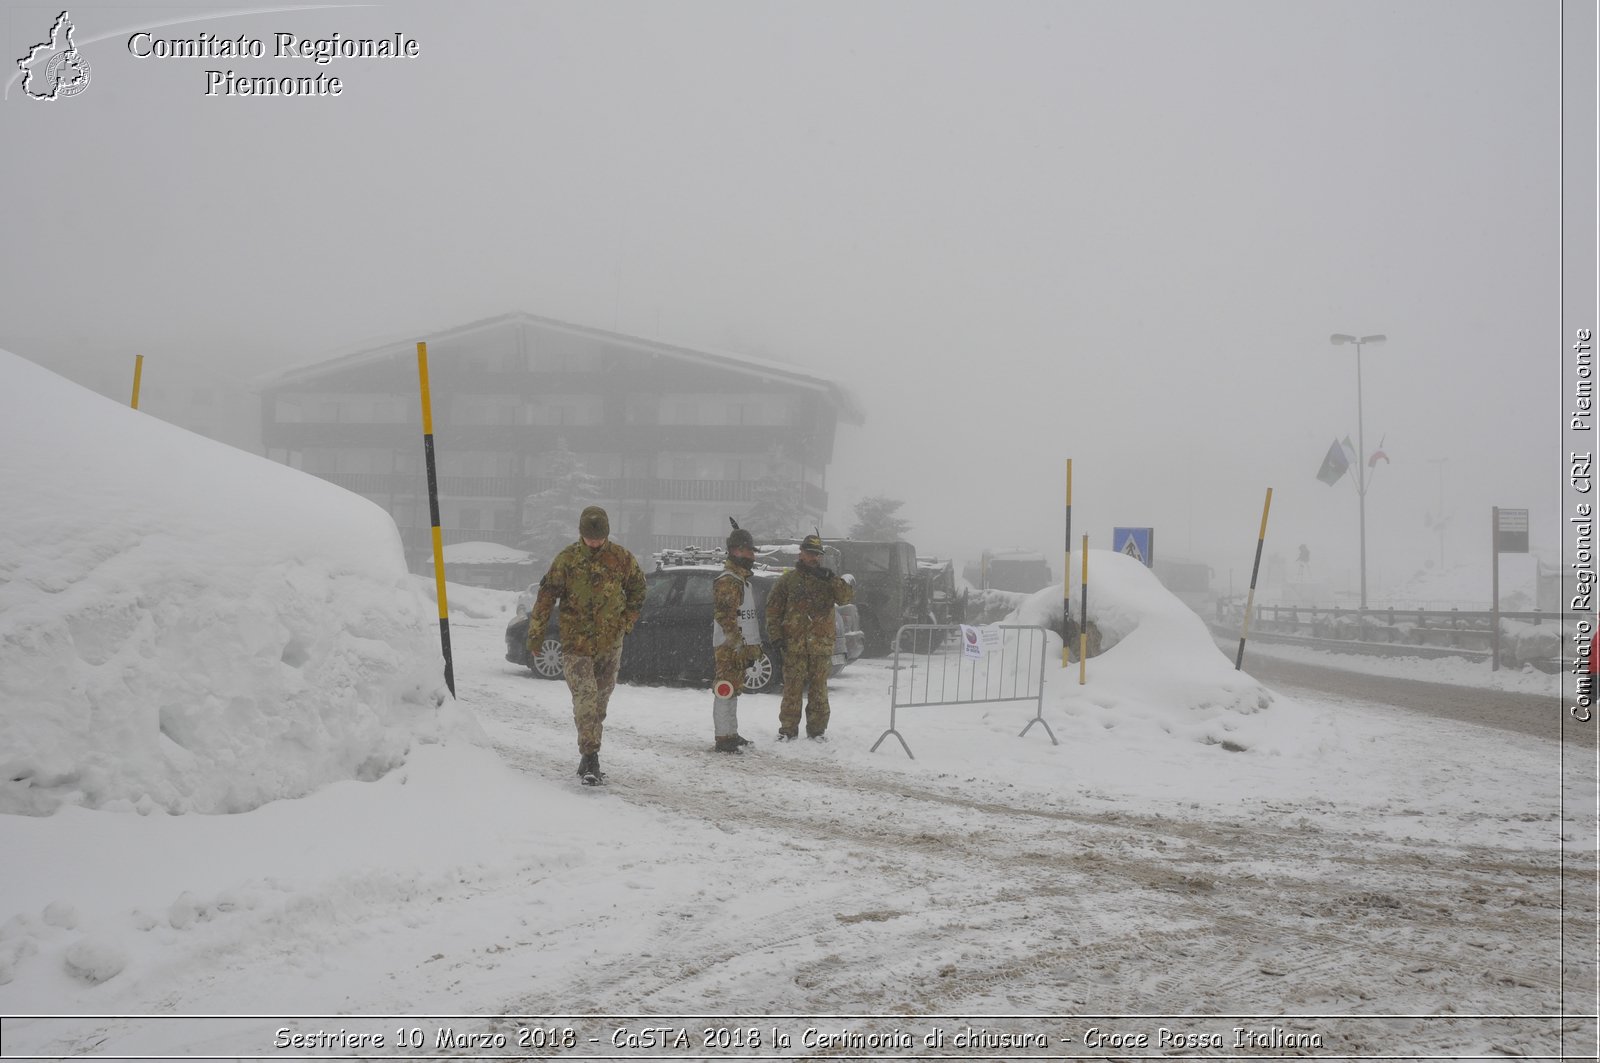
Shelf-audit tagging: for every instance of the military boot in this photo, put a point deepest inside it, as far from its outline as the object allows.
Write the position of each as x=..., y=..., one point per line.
x=730, y=744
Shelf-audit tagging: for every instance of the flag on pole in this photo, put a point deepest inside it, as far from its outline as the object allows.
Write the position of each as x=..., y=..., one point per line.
x=1350, y=455
x=1335, y=465
x=1372, y=462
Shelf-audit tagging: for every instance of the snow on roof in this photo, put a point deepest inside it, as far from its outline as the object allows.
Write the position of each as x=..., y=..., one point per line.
x=481, y=553
x=850, y=408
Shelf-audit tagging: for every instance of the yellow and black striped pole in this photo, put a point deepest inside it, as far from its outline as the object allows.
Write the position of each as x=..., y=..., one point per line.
x=1083, y=622
x=138, y=370
x=433, y=513
x=1250, y=599
x=1066, y=576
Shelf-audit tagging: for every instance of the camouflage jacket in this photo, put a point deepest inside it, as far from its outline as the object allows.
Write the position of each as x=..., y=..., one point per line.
x=800, y=610
x=600, y=590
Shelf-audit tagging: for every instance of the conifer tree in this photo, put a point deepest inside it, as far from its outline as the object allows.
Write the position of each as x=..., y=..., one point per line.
x=550, y=517
x=776, y=511
x=875, y=519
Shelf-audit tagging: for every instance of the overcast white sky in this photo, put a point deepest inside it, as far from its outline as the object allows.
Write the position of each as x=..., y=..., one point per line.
x=1019, y=232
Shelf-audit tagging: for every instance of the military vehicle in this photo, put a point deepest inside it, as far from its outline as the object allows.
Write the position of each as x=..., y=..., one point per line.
x=944, y=604
x=1010, y=570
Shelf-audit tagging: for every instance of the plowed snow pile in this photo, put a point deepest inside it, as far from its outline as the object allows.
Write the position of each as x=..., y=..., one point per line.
x=1192, y=691
x=190, y=627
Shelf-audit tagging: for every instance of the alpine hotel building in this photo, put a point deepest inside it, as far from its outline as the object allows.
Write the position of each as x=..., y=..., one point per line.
x=677, y=438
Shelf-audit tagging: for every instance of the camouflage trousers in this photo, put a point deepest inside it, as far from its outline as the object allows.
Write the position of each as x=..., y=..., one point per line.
x=591, y=680
x=807, y=675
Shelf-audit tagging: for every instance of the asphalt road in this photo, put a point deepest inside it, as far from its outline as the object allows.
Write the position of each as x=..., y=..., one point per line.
x=1544, y=716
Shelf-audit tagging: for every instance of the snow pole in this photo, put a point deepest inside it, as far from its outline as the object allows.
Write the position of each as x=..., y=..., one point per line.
x=138, y=369
x=433, y=513
x=1083, y=622
x=1250, y=599
x=1066, y=575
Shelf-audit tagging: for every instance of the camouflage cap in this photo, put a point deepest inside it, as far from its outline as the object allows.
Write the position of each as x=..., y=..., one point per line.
x=594, y=524
x=739, y=539
x=811, y=544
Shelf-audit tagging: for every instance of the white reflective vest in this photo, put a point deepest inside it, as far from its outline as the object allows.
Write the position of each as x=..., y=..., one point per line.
x=749, y=624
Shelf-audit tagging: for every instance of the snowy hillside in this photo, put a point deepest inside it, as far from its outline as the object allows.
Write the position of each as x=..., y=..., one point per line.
x=189, y=627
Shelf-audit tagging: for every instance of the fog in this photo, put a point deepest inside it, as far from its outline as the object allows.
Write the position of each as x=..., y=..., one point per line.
x=1019, y=233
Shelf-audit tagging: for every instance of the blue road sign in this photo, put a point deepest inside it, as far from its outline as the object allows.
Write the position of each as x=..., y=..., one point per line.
x=1137, y=543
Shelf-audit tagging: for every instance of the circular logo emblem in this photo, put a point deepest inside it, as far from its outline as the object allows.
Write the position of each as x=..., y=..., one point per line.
x=67, y=72
x=723, y=689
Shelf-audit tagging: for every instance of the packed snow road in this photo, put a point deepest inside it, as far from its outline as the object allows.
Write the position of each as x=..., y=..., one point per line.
x=1408, y=898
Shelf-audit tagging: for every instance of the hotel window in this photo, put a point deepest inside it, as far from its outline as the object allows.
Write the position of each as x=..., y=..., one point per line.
x=681, y=410
x=644, y=409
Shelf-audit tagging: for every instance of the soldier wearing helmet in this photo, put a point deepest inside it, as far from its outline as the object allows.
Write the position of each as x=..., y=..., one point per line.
x=601, y=590
x=800, y=620
x=735, y=638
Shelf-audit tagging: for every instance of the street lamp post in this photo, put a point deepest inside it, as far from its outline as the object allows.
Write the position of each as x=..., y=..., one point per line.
x=1337, y=339
x=1438, y=514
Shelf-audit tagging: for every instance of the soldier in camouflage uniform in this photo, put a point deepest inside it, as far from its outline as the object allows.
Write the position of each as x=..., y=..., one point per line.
x=601, y=589
x=800, y=621
x=735, y=638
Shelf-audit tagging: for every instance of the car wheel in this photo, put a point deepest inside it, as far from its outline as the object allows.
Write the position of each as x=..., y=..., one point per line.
x=763, y=674
x=546, y=664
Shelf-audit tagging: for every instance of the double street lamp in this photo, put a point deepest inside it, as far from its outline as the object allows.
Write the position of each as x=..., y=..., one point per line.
x=1337, y=339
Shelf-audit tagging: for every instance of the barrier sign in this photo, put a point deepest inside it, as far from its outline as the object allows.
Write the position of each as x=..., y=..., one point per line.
x=975, y=641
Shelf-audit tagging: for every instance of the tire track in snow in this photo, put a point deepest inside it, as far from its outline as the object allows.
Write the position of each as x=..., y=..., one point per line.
x=1100, y=910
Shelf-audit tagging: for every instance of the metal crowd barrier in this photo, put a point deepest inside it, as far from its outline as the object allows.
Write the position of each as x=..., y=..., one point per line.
x=930, y=668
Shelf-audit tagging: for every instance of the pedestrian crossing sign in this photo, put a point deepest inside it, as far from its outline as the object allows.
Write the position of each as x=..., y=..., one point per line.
x=1137, y=543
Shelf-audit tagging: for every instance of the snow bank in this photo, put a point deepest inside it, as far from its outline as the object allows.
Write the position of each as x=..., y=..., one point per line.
x=1158, y=665
x=190, y=627
x=477, y=603
x=481, y=553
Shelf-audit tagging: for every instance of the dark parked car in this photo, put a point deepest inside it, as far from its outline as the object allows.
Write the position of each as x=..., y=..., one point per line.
x=672, y=641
